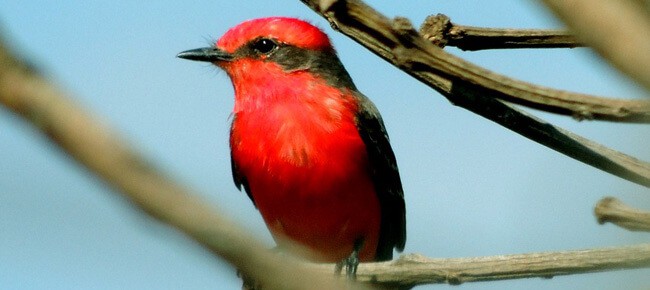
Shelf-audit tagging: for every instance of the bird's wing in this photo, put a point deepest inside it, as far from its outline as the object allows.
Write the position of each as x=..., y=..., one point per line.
x=237, y=177
x=385, y=177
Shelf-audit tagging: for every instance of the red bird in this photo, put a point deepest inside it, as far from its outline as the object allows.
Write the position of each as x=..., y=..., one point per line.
x=310, y=150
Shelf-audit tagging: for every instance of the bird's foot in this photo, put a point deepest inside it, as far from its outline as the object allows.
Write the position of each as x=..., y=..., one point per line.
x=351, y=263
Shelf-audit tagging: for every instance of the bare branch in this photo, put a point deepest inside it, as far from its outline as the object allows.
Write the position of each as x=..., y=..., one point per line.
x=612, y=210
x=442, y=32
x=465, y=84
x=581, y=106
x=100, y=150
x=414, y=50
x=618, y=30
x=412, y=270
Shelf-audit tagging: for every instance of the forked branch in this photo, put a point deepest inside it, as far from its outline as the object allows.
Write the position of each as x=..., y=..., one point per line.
x=482, y=92
x=439, y=30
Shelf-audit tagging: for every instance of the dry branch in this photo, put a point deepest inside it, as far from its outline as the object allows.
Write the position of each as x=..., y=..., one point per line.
x=479, y=90
x=618, y=30
x=414, y=50
x=412, y=270
x=612, y=210
x=442, y=32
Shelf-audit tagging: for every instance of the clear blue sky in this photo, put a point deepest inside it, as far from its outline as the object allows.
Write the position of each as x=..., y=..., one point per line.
x=472, y=187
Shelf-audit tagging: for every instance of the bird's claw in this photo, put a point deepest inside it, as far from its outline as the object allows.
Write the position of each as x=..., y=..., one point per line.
x=351, y=264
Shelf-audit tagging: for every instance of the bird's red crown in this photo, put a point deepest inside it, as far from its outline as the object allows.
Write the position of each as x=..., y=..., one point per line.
x=283, y=29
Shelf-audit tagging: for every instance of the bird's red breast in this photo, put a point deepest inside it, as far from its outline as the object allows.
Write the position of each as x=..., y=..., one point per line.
x=306, y=165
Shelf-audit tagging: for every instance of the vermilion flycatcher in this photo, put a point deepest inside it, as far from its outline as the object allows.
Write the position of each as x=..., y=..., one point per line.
x=310, y=150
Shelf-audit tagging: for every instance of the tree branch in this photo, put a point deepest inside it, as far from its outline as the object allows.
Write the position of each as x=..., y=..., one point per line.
x=618, y=30
x=439, y=30
x=390, y=39
x=612, y=210
x=466, y=85
x=412, y=270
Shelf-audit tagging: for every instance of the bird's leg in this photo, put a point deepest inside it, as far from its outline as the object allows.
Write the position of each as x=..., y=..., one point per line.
x=351, y=263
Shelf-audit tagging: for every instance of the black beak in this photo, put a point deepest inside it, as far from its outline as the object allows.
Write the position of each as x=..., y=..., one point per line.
x=210, y=54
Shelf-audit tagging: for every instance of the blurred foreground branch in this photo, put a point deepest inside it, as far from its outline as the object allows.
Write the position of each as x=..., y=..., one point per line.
x=618, y=30
x=100, y=150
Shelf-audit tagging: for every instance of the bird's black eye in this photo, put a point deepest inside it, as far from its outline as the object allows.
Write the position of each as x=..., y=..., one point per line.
x=264, y=45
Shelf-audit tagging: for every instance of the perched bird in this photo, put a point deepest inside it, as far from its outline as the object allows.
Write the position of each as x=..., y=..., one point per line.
x=311, y=151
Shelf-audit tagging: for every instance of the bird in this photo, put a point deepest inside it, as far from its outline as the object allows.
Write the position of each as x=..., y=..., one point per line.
x=310, y=151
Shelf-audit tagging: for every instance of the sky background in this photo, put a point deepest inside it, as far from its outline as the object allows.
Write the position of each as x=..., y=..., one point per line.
x=473, y=188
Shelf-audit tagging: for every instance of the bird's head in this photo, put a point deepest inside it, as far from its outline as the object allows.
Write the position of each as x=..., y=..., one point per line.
x=258, y=50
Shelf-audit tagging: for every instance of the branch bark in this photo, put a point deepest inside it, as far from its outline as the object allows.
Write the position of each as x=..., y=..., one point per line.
x=412, y=270
x=472, y=87
x=612, y=210
x=414, y=49
x=439, y=30
x=618, y=30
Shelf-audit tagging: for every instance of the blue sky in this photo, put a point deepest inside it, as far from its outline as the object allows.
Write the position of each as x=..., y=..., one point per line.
x=472, y=187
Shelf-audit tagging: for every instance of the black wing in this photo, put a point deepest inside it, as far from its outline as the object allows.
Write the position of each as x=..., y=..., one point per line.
x=237, y=177
x=385, y=177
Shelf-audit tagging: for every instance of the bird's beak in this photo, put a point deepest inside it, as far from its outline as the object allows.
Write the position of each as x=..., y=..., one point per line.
x=210, y=54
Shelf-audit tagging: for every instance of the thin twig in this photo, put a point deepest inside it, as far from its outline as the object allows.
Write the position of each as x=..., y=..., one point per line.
x=612, y=210
x=442, y=32
x=399, y=44
x=618, y=30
